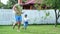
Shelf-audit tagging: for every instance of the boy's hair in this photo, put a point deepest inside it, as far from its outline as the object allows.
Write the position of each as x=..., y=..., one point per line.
x=25, y=15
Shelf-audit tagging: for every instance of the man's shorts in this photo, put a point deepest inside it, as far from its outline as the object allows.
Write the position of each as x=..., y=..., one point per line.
x=18, y=18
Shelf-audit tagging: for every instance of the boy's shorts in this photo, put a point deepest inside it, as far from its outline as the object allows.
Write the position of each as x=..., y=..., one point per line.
x=18, y=18
x=25, y=24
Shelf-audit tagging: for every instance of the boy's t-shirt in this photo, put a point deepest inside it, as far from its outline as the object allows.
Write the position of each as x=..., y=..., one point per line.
x=26, y=19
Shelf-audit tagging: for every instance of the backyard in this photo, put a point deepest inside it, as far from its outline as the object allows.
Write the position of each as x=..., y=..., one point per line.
x=32, y=29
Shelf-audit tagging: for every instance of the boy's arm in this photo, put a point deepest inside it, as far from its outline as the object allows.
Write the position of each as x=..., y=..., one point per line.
x=28, y=19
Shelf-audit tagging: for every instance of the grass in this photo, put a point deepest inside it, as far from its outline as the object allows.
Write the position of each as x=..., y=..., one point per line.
x=32, y=29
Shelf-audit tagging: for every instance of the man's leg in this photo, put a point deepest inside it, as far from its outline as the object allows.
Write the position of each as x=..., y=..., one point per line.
x=14, y=25
x=19, y=25
x=16, y=17
x=19, y=22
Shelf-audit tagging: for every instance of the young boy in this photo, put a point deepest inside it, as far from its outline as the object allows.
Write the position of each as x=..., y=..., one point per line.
x=18, y=11
x=26, y=21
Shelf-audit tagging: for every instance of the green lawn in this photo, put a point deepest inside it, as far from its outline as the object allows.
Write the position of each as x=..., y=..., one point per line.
x=32, y=29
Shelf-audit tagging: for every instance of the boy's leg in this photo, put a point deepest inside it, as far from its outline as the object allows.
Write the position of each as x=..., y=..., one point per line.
x=25, y=26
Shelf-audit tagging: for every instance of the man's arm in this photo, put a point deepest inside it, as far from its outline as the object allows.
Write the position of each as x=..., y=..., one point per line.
x=23, y=12
x=15, y=9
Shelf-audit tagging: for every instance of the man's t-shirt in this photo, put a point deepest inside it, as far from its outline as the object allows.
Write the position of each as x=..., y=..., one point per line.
x=17, y=9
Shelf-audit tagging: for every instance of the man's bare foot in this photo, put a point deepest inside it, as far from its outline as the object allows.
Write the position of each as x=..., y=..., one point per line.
x=18, y=30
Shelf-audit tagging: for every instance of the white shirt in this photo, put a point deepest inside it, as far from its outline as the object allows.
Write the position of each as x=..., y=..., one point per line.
x=26, y=19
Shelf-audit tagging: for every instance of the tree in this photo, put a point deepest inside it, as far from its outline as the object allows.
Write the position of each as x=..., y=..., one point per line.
x=1, y=5
x=10, y=3
x=54, y=4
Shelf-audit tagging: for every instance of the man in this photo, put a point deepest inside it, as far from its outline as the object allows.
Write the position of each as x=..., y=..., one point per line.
x=17, y=9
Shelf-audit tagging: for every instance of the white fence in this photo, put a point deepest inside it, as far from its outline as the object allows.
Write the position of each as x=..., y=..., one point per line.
x=35, y=16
